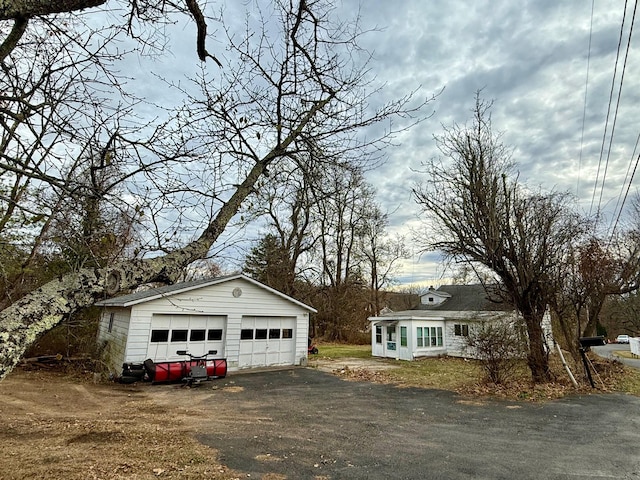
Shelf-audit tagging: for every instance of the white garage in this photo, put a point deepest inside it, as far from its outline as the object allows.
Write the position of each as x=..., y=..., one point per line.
x=245, y=321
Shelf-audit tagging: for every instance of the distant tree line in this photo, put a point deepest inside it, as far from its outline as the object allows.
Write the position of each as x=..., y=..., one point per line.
x=327, y=244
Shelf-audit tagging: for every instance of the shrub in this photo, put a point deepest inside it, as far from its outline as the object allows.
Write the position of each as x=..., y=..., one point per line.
x=498, y=345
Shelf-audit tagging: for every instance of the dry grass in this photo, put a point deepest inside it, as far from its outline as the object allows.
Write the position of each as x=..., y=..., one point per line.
x=343, y=350
x=466, y=376
x=54, y=425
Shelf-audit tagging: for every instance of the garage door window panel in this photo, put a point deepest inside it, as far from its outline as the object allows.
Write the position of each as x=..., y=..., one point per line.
x=274, y=333
x=214, y=335
x=261, y=334
x=197, y=335
x=246, y=334
x=179, y=335
x=159, y=336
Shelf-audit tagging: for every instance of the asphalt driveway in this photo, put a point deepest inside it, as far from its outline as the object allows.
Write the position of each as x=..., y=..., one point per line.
x=307, y=424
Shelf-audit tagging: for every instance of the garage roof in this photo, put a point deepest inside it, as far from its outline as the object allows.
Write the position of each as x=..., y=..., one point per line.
x=169, y=290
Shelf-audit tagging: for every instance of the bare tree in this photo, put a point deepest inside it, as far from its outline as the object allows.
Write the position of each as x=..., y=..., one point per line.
x=279, y=97
x=381, y=253
x=477, y=212
x=285, y=201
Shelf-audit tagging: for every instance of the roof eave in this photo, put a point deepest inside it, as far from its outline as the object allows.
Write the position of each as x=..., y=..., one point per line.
x=115, y=303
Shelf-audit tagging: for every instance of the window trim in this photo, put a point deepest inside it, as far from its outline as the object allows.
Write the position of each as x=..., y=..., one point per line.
x=403, y=336
x=429, y=337
x=461, y=330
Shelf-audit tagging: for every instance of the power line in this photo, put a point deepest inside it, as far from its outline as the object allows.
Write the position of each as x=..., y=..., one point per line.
x=615, y=117
x=586, y=89
x=606, y=124
x=626, y=193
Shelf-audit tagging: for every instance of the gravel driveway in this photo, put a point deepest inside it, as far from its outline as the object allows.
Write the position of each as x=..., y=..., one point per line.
x=307, y=424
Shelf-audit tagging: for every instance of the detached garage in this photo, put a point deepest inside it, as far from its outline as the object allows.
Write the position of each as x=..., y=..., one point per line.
x=247, y=322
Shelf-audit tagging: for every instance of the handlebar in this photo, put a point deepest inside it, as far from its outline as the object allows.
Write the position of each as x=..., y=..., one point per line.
x=196, y=357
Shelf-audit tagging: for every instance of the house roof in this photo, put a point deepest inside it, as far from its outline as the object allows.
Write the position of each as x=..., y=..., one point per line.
x=464, y=300
x=437, y=293
x=468, y=298
x=181, y=287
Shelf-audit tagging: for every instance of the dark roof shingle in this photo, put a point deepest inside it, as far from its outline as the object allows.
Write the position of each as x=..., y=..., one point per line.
x=468, y=298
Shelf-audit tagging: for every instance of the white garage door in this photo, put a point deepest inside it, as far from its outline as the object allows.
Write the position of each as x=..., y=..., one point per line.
x=267, y=341
x=196, y=334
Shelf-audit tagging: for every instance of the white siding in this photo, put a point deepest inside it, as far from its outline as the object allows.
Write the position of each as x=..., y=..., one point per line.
x=457, y=345
x=114, y=342
x=218, y=300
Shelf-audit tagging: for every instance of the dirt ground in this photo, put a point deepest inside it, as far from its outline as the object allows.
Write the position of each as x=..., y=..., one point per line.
x=54, y=425
x=57, y=425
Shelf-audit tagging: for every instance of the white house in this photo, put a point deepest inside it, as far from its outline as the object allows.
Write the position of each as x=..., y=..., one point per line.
x=439, y=325
x=248, y=323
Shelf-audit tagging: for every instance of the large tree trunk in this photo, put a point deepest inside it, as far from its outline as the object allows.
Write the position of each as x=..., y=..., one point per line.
x=22, y=322
x=537, y=359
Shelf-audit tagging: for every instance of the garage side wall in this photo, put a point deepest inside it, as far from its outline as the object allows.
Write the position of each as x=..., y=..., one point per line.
x=112, y=336
x=234, y=300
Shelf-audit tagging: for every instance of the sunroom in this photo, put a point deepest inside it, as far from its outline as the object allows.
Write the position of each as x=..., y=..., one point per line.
x=407, y=337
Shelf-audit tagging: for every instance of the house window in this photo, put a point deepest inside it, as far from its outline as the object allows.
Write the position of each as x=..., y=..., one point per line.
x=246, y=334
x=430, y=299
x=179, y=335
x=197, y=335
x=378, y=334
x=429, y=337
x=461, y=330
x=111, y=317
x=214, y=334
x=391, y=337
x=391, y=334
x=403, y=336
x=436, y=336
x=158, y=336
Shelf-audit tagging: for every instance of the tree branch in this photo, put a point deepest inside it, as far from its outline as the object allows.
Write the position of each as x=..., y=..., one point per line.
x=16, y=9
x=19, y=27
x=197, y=15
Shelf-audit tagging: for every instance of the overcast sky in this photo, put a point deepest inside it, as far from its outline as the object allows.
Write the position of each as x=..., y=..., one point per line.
x=530, y=58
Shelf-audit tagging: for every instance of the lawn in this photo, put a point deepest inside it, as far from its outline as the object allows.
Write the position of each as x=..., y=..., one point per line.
x=466, y=376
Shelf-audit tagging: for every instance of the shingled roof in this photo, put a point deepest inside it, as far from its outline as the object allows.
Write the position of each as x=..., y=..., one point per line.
x=465, y=298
